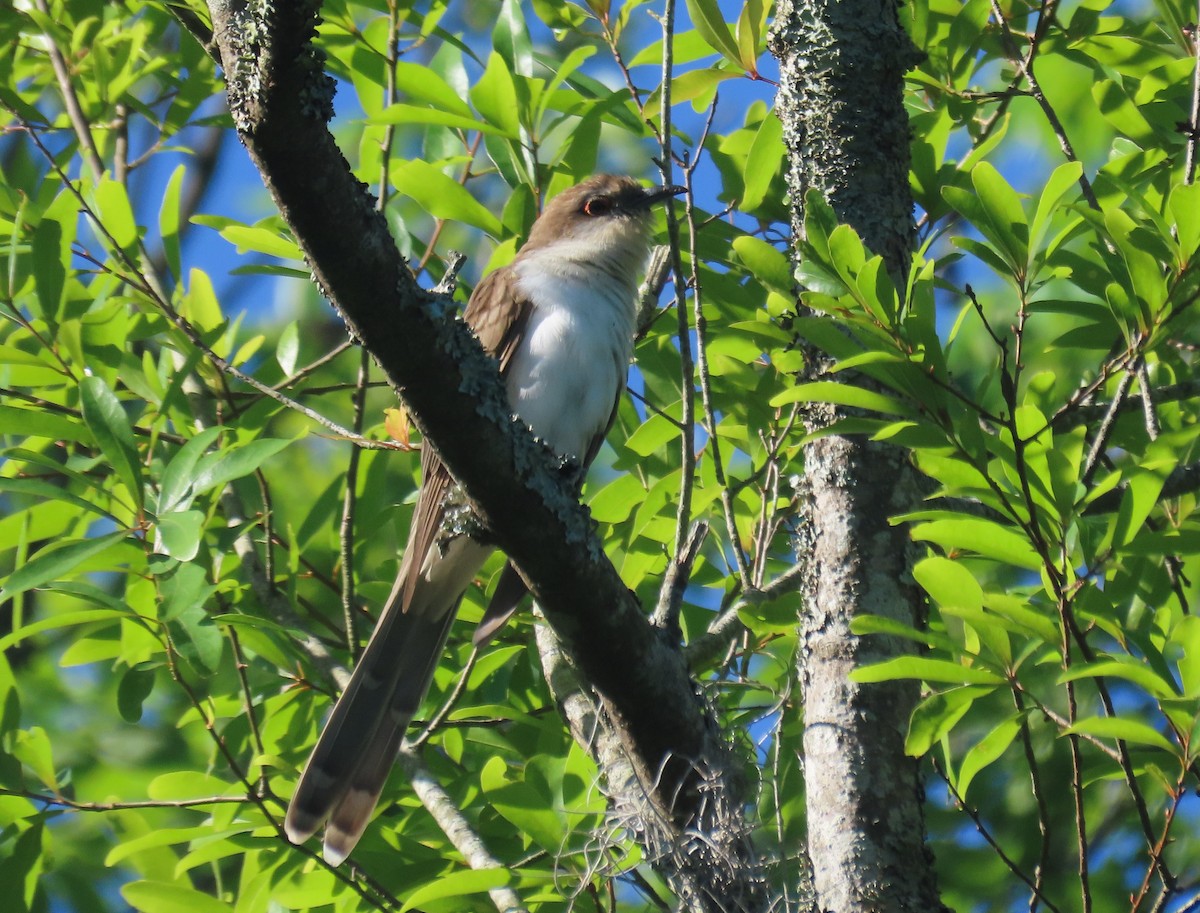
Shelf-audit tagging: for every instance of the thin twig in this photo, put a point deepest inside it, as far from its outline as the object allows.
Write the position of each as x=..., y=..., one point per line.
x=1039, y=797
x=79, y=806
x=1193, y=134
x=239, y=661
x=726, y=627
x=439, y=717
x=368, y=890
x=79, y=123
x=1146, y=394
x=1100, y=442
x=349, y=503
x=683, y=512
x=991, y=841
x=702, y=369
x=675, y=580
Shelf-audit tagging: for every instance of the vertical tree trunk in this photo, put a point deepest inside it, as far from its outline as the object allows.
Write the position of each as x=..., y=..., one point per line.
x=841, y=103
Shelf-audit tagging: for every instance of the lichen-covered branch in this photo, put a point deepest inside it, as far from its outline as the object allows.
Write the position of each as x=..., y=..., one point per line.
x=846, y=131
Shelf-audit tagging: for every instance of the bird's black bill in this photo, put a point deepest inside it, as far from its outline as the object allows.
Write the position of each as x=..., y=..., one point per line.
x=658, y=194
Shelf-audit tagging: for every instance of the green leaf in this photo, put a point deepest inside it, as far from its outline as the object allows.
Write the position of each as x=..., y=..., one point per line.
x=1143, y=484
x=401, y=113
x=768, y=264
x=179, y=534
x=135, y=686
x=196, y=637
x=711, y=25
x=984, y=537
x=1131, y=670
x=1123, y=113
x=64, y=620
x=200, y=304
x=949, y=583
x=112, y=203
x=926, y=669
x=763, y=162
x=169, y=220
x=164, y=836
x=615, y=501
x=986, y=752
x=1185, y=210
x=1065, y=176
x=105, y=417
x=215, y=469
x=841, y=395
x=287, y=349
x=1003, y=216
x=1187, y=636
x=459, y=883
x=696, y=86
x=57, y=560
x=1145, y=272
x=881, y=624
x=417, y=82
x=495, y=98
x=653, y=434
x=32, y=748
x=443, y=197
x=847, y=254
x=189, y=784
x=559, y=15
x=1127, y=730
x=262, y=239
x=1014, y=610
x=986, y=253
x=49, y=273
x=937, y=715
x=170, y=897
x=175, y=489
x=47, y=491
x=749, y=32
x=10, y=703
x=522, y=804
x=510, y=38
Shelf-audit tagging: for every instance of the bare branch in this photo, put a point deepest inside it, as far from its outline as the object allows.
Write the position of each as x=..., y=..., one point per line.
x=457, y=829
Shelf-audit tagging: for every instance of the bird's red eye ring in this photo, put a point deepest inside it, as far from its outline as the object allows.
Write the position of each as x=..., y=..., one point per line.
x=597, y=206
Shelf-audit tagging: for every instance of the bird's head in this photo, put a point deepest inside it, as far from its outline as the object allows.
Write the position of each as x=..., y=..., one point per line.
x=606, y=217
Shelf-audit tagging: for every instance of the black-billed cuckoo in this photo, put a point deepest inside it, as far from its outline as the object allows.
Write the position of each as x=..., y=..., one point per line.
x=561, y=320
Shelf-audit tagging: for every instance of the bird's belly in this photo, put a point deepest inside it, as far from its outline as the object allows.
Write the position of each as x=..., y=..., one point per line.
x=564, y=380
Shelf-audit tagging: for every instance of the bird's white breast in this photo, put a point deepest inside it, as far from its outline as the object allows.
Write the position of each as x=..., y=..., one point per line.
x=571, y=365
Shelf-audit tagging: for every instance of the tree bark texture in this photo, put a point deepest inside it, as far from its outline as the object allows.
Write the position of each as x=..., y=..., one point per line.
x=281, y=101
x=842, y=67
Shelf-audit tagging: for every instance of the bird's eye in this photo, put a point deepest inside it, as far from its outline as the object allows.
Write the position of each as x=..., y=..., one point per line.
x=597, y=206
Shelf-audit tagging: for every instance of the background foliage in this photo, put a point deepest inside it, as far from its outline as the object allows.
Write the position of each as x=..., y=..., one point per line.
x=190, y=441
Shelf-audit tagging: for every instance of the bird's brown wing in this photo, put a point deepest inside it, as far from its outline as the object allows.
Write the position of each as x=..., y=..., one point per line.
x=500, y=327
x=426, y=521
x=498, y=316
x=498, y=313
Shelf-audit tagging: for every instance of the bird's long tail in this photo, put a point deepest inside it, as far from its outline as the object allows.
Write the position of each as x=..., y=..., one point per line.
x=351, y=761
